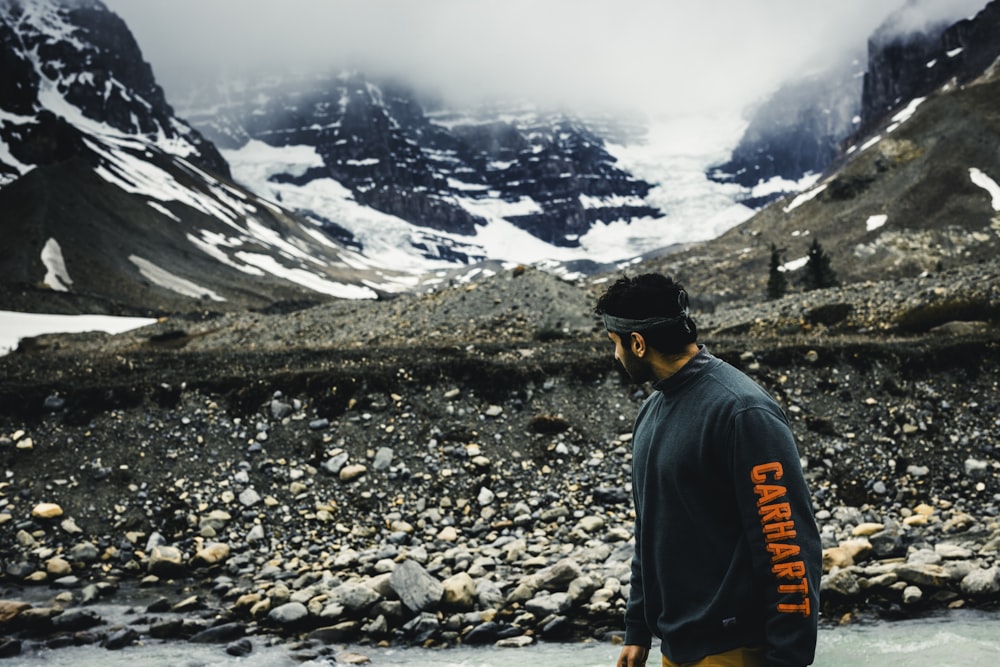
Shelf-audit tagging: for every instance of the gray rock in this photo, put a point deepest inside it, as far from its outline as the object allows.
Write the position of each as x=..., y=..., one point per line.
x=255, y=534
x=69, y=581
x=335, y=634
x=166, y=561
x=75, y=620
x=976, y=468
x=120, y=639
x=912, y=595
x=355, y=598
x=924, y=557
x=416, y=588
x=952, y=551
x=888, y=541
x=288, y=613
x=422, y=627
x=982, y=582
x=280, y=409
x=383, y=458
x=546, y=604
x=249, y=497
x=86, y=552
x=842, y=582
x=488, y=594
x=484, y=633
x=240, y=648
x=220, y=634
x=558, y=576
x=926, y=574
x=333, y=464
x=581, y=589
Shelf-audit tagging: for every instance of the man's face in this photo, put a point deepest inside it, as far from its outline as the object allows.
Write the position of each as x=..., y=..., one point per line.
x=634, y=365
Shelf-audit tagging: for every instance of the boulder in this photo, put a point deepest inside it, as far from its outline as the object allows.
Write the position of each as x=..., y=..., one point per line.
x=459, y=592
x=417, y=589
x=211, y=554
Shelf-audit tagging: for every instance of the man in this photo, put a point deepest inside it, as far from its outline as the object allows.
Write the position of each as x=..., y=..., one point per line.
x=727, y=555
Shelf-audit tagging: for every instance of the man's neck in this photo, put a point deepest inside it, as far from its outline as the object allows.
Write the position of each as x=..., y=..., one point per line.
x=665, y=366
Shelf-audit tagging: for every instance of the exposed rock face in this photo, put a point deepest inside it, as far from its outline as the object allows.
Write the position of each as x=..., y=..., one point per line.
x=903, y=66
x=111, y=203
x=796, y=132
x=378, y=140
x=97, y=67
x=806, y=125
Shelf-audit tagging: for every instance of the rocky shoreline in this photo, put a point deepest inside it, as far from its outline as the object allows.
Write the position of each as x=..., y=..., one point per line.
x=468, y=488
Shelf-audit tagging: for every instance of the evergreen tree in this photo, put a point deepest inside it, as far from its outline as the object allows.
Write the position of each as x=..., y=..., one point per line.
x=777, y=284
x=818, y=272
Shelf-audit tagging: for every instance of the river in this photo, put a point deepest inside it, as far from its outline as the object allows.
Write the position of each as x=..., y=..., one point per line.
x=958, y=638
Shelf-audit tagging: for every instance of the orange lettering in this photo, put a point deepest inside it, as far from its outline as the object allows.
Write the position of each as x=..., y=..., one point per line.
x=801, y=587
x=768, y=492
x=770, y=513
x=795, y=608
x=792, y=570
x=780, y=552
x=783, y=530
x=759, y=473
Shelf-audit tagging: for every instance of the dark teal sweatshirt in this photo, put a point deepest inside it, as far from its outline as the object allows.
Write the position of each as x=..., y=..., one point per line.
x=727, y=553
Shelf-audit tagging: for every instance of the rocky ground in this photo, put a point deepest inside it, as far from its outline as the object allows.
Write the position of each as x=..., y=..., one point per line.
x=454, y=467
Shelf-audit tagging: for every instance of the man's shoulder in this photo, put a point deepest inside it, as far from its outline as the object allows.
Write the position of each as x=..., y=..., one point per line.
x=737, y=384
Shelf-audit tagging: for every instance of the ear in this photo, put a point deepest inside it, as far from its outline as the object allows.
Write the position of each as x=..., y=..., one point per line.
x=637, y=343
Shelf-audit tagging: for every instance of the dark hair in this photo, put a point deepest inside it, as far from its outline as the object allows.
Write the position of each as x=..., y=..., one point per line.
x=651, y=295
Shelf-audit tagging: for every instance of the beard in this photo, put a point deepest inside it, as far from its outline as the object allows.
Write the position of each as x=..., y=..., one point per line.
x=638, y=370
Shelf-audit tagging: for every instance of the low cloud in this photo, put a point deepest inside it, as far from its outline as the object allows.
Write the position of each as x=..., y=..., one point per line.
x=647, y=55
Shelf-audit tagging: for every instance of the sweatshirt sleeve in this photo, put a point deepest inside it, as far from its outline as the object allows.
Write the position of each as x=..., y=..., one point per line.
x=636, y=631
x=777, y=517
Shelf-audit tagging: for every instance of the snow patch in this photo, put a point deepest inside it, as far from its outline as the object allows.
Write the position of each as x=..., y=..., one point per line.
x=212, y=243
x=306, y=279
x=871, y=142
x=165, y=279
x=160, y=208
x=803, y=198
x=56, y=275
x=15, y=326
x=905, y=114
x=979, y=178
x=795, y=264
x=779, y=185
x=875, y=221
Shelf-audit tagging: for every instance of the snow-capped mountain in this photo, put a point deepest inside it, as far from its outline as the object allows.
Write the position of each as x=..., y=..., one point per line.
x=333, y=186
x=547, y=174
x=109, y=201
x=508, y=182
x=802, y=131
x=424, y=187
x=267, y=191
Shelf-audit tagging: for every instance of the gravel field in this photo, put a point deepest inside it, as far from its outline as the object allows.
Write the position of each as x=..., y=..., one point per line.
x=454, y=467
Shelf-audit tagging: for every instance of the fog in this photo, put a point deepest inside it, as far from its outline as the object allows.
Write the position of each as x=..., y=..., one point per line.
x=654, y=56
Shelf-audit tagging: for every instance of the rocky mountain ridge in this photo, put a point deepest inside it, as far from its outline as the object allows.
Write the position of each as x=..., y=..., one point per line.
x=323, y=222
x=547, y=173
x=372, y=195
x=807, y=125
x=110, y=203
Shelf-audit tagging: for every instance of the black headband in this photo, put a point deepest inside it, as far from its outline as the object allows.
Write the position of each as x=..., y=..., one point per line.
x=622, y=325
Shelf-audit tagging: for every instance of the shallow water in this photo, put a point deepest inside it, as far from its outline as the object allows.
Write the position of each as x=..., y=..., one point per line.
x=959, y=638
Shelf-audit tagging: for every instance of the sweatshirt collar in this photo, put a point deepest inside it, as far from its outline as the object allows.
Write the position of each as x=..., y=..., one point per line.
x=693, y=367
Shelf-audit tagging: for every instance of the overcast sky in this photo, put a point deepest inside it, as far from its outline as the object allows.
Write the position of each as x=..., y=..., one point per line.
x=647, y=55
